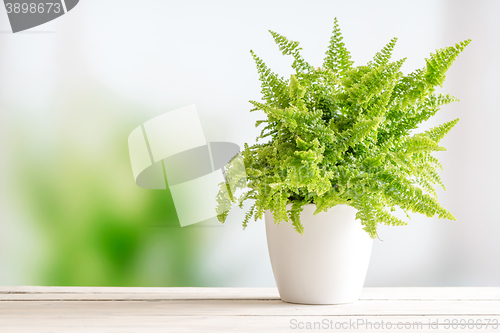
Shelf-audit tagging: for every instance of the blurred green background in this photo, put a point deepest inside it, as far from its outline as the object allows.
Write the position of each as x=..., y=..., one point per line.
x=95, y=225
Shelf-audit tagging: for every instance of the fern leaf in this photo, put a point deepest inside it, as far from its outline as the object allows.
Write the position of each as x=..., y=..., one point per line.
x=420, y=143
x=439, y=132
x=273, y=88
x=439, y=63
x=248, y=216
x=294, y=214
x=290, y=47
x=383, y=57
x=389, y=219
x=337, y=58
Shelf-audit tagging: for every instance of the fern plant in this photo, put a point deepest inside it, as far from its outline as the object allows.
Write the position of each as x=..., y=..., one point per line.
x=340, y=134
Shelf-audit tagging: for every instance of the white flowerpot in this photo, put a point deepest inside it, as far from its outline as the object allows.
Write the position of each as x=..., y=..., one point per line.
x=326, y=265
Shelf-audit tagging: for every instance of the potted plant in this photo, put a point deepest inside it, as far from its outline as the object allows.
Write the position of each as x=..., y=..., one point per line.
x=338, y=154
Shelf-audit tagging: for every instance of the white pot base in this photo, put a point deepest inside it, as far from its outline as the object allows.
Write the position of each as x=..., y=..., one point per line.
x=339, y=303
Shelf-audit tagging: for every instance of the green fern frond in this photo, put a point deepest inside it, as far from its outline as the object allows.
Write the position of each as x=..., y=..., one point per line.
x=290, y=47
x=439, y=132
x=273, y=87
x=383, y=57
x=248, y=216
x=337, y=58
x=294, y=214
x=388, y=219
x=439, y=63
x=224, y=202
x=420, y=143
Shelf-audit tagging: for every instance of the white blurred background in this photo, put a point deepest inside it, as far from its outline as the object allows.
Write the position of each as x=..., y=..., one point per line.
x=67, y=85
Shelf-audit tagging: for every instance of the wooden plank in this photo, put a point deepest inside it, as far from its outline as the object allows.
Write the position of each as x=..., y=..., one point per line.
x=121, y=293
x=152, y=310
x=432, y=293
x=133, y=293
x=155, y=324
x=251, y=308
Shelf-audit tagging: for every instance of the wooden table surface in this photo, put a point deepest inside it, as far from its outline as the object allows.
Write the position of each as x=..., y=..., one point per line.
x=144, y=310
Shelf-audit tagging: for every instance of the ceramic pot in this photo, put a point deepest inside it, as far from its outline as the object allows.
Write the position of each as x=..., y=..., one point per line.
x=326, y=265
